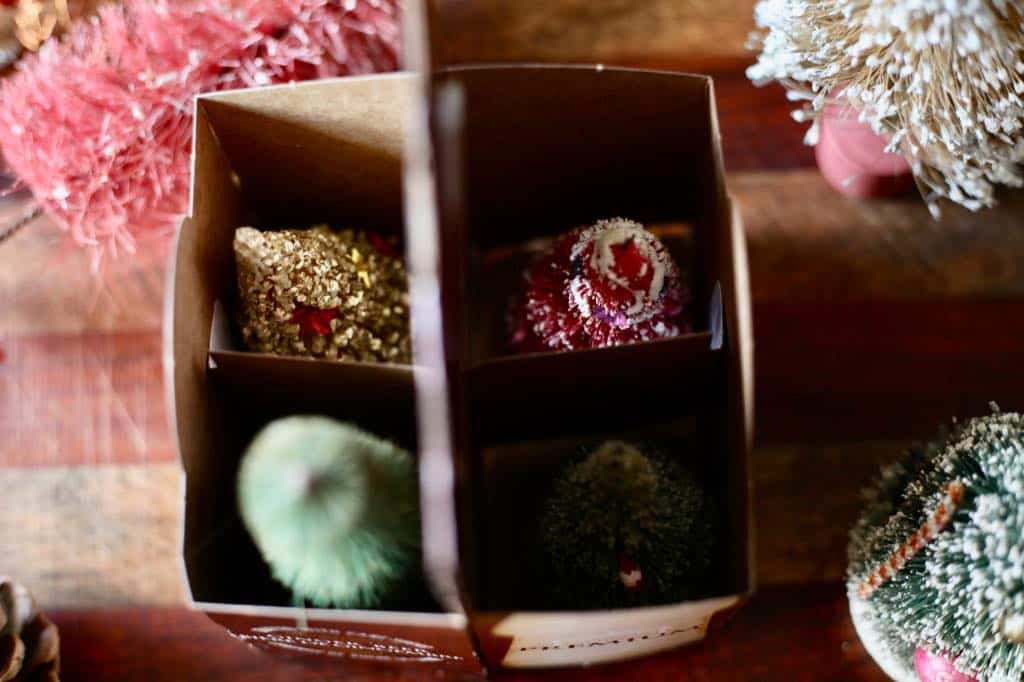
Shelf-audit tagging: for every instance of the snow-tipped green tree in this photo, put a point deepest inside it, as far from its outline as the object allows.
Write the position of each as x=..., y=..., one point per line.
x=334, y=511
x=936, y=559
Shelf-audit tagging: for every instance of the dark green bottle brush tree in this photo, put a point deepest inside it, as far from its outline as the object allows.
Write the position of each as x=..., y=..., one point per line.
x=625, y=526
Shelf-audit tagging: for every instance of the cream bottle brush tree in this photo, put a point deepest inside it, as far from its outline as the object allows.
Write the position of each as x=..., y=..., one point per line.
x=941, y=79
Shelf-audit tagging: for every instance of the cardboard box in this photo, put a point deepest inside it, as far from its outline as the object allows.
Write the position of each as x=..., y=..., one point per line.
x=285, y=157
x=524, y=153
x=514, y=154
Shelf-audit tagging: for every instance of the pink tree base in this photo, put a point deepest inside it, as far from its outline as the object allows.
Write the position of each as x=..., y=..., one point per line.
x=933, y=668
x=852, y=157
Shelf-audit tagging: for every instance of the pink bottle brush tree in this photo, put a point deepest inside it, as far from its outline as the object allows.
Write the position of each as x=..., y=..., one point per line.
x=98, y=126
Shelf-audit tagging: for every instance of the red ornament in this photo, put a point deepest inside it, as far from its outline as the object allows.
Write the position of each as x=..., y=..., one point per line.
x=313, y=320
x=937, y=668
x=608, y=284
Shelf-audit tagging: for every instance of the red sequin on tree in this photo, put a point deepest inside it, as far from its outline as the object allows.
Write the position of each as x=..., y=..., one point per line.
x=604, y=285
x=630, y=575
x=384, y=246
x=313, y=320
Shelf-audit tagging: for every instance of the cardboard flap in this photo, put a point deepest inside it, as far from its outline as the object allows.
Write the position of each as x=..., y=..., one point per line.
x=537, y=394
x=548, y=147
x=572, y=638
x=324, y=153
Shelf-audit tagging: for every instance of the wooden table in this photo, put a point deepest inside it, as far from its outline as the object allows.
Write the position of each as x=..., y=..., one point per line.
x=873, y=325
x=787, y=633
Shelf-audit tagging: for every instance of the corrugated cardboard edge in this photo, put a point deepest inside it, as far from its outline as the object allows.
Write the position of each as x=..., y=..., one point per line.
x=168, y=357
x=260, y=91
x=169, y=393
x=745, y=330
x=744, y=323
x=450, y=620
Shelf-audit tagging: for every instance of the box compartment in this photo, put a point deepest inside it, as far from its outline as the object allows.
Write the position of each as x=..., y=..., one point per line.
x=495, y=273
x=523, y=154
x=287, y=156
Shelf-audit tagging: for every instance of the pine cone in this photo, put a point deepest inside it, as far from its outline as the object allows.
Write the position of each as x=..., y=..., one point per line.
x=29, y=643
x=10, y=48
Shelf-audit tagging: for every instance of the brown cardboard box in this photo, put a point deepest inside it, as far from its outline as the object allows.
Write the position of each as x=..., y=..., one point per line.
x=523, y=153
x=278, y=157
x=513, y=154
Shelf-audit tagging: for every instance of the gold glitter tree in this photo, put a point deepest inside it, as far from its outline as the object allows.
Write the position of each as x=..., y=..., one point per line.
x=340, y=295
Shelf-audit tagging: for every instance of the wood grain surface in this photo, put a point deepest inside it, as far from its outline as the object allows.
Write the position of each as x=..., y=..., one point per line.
x=791, y=634
x=613, y=31
x=873, y=324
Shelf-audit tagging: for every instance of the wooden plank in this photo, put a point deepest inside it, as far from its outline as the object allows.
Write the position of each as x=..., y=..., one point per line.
x=827, y=372
x=584, y=30
x=49, y=285
x=808, y=243
x=758, y=131
x=676, y=35
x=83, y=398
x=791, y=634
x=806, y=498
x=872, y=320
x=93, y=537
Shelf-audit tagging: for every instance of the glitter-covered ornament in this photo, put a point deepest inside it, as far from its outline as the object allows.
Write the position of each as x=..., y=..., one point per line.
x=604, y=285
x=333, y=510
x=936, y=557
x=625, y=526
x=335, y=294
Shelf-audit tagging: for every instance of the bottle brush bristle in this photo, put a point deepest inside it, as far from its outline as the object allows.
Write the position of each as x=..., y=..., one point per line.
x=625, y=526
